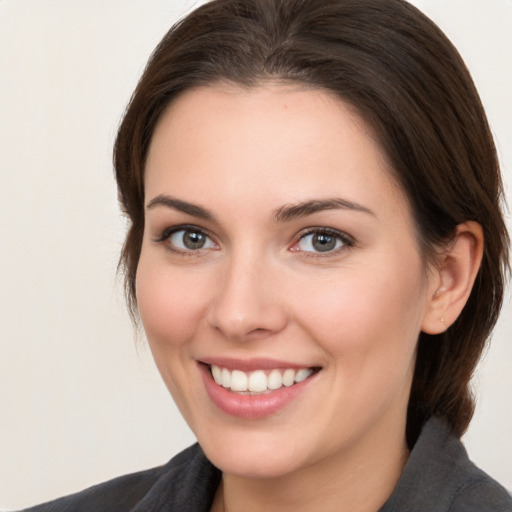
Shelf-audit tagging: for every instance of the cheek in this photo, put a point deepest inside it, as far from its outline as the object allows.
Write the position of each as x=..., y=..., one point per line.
x=366, y=313
x=367, y=325
x=170, y=303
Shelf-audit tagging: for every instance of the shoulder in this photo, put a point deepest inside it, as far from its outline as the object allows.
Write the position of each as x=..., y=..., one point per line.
x=478, y=491
x=118, y=494
x=473, y=489
x=172, y=483
x=440, y=477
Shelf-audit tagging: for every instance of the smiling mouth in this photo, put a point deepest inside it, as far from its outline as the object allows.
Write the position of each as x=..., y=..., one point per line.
x=259, y=381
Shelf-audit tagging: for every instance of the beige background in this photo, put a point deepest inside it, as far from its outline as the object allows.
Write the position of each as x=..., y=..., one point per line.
x=79, y=403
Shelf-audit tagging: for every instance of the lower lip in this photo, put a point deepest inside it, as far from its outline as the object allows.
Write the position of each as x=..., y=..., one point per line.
x=251, y=406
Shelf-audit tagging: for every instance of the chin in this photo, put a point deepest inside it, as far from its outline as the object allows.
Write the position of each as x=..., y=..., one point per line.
x=253, y=463
x=251, y=453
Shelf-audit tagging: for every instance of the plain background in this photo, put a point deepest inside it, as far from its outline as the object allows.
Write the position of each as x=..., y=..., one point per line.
x=80, y=400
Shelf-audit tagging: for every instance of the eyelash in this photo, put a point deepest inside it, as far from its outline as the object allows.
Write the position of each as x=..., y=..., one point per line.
x=168, y=232
x=346, y=240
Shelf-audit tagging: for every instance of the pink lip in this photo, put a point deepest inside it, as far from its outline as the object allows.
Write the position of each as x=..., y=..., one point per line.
x=252, y=406
x=250, y=365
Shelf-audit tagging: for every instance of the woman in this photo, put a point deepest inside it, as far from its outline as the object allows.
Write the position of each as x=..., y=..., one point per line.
x=317, y=256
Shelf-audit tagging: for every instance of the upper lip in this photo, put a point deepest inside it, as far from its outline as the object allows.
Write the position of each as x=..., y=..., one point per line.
x=252, y=364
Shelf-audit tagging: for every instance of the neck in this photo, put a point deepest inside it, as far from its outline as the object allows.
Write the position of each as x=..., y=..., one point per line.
x=355, y=482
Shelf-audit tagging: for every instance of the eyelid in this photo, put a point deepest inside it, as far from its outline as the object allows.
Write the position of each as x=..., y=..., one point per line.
x=166, y=233
x=347, y=241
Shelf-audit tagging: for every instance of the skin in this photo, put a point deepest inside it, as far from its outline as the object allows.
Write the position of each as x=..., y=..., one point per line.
x=257, y=289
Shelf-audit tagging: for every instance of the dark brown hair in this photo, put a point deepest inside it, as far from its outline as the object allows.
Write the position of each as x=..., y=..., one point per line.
x=404, y=77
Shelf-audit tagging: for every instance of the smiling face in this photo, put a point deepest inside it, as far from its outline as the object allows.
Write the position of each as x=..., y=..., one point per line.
x=277, y=248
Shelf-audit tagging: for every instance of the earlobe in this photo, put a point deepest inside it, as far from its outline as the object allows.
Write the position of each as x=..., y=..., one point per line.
x=455, y=275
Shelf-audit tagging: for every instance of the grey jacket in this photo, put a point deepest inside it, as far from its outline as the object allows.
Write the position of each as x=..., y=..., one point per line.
x=439, y=477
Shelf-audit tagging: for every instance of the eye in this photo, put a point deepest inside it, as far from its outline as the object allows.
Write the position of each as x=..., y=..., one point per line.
x=322, y=241
x=187, y=239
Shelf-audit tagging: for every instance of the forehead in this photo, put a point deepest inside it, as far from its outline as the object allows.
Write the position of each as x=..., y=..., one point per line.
x=274, y=142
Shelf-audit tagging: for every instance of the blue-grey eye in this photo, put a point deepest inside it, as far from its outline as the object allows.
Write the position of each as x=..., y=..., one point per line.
x=190, y=240
x=320, y=242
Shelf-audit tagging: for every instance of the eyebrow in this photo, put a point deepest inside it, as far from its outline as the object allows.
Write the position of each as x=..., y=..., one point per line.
x=283, y=214
x=295, y=211
x=181, y=206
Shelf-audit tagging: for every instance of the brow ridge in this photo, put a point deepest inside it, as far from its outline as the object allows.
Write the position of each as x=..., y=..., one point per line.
x=305, y=208
x=283, y=214
x=181, y=206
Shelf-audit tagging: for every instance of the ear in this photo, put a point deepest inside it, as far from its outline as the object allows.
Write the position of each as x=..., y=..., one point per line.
x=453, y=278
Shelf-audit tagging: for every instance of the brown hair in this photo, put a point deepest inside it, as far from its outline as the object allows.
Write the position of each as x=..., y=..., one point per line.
x=404, y=77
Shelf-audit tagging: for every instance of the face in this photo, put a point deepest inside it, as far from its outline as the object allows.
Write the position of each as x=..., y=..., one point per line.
x=280, y=282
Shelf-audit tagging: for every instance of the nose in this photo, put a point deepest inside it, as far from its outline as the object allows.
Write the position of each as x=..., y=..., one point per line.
x=246, y=304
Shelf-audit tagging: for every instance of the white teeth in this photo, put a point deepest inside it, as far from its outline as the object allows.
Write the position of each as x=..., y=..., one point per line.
x=303, y=374
x=288, y=377
x=226, y=378
x=258, y=381
x=217, y=375
x=275, y=381
x=238, y=381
